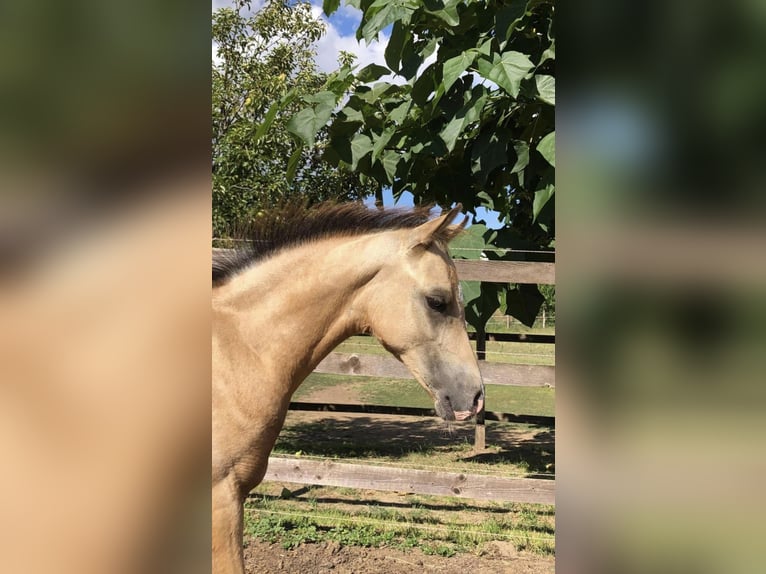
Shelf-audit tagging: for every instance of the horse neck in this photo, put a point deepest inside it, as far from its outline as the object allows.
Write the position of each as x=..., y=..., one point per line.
x=294, y=308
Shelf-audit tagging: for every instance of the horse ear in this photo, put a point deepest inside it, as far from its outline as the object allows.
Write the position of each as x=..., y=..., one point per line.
x=439, y=228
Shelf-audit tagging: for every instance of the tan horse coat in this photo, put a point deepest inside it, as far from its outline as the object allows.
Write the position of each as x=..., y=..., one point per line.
x=275, y=321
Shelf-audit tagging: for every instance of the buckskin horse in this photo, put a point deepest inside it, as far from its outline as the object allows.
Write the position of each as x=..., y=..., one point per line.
x=306, y=280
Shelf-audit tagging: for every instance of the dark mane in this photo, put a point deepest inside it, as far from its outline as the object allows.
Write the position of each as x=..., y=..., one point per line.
x=297, y=225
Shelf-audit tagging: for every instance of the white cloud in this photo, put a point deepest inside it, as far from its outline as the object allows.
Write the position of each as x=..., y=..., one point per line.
x=340, y=36
x=333, y=42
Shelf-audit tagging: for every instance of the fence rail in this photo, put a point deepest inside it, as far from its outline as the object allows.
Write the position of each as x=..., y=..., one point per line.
x=506, y=271
x=384, y=366
x=411, y=481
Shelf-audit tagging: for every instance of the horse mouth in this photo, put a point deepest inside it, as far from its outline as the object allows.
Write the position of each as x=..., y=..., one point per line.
x=444, y=409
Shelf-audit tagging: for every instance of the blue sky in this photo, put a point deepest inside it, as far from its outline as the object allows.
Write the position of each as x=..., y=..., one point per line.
x=407, y=200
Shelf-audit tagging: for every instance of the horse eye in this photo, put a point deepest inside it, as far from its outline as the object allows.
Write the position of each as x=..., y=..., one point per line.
x=437, y=304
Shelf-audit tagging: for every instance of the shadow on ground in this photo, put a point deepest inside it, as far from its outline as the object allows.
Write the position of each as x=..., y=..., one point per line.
x=394, y=437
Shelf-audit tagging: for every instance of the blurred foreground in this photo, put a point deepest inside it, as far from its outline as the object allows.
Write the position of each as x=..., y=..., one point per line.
x=104, y=287
x=661, y=287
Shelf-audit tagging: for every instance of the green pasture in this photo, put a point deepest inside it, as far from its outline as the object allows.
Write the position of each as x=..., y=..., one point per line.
x=408, y=393
x=497, y=351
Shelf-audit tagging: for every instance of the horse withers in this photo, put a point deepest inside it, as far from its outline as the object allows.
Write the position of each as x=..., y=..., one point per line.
x=307, y=280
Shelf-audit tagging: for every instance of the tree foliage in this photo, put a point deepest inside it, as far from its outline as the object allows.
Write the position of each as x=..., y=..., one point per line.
x=468, y=117
x=264, y=64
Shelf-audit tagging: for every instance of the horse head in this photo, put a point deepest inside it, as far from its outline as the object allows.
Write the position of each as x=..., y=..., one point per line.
x=417, y=314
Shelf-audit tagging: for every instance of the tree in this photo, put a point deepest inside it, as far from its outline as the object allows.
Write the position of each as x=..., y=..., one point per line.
x=472, y=120
x=265, y=62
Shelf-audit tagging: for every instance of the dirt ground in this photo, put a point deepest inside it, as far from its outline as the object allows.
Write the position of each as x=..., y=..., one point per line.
x=331, y=558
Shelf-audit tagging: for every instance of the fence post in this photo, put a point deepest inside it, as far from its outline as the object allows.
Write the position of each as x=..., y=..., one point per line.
x=479, y=441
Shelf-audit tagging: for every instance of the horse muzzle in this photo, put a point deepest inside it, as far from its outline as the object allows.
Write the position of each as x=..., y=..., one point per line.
x=450, y=409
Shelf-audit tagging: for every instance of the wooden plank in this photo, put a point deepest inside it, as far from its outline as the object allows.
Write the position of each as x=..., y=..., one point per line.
x=538, y=420
x=518, y=375
x=517, y=338
x=415, y=412
x=480, y=435
x=462, y=485
x=506, y=271
x=385, y=366
x=366, y=365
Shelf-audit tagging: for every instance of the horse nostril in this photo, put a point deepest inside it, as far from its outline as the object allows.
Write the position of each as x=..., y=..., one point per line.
x=479, y=397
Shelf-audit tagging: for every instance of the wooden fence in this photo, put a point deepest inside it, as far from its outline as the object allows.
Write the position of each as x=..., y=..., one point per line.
x=330, y=473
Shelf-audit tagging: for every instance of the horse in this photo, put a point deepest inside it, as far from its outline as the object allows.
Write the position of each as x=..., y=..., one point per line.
x=307, y=280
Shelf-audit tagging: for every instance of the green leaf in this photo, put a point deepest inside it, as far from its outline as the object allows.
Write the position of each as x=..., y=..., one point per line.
x=292, y=163
x=390, y=162
x=546, y=88
x=330, y=6
x=508, y=71
x=506, y=19
x=381, y=141
x=371, y=73
x=548, y=54
x=468, y=114
x=379, y=89
x=398, y=114
x=412, y=58
x=522, y=156
x=485, y=48
x=361, y=145
x=381, y=13
x=480, y=309
x=541, y=199
x=325, y=100
x=307, y=122
x=393, y=54
x=523, y=303
x=339, y=81
x=448, y=12
x=351, y=115
x=489, y=152
x=268, y=119
x=424, y=86
x=469, y=244
x=486, y=200
x=302, y=125
x=470, y=290
x=454, y=67
x=451, y=131
x=547, y=148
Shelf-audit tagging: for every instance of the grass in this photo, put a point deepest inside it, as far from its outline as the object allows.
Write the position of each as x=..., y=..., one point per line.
x=408, y=393
x=497, y=351
x=436, y=525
